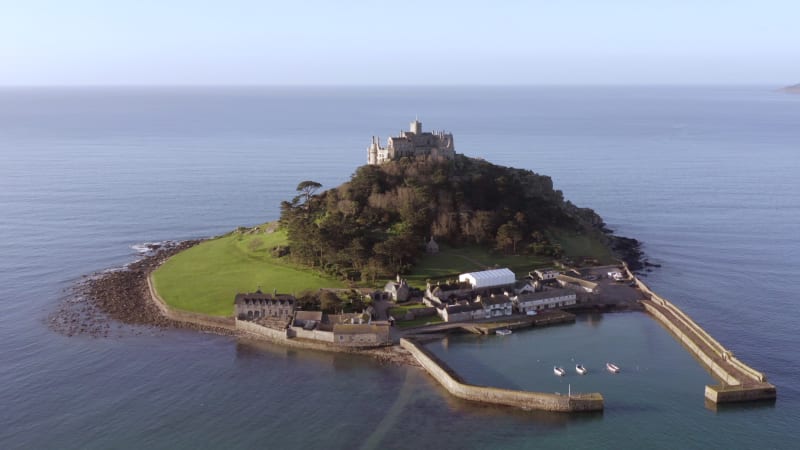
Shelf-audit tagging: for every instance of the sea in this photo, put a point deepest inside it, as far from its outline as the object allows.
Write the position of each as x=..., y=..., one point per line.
x=705, y=176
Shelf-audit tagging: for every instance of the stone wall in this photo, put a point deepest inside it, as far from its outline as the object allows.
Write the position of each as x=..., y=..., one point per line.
x=741, y=382
x=317, y=335
x=687, y=341
x=520, y=399
x=700, y=333
x=261, y=331
x=732, y=394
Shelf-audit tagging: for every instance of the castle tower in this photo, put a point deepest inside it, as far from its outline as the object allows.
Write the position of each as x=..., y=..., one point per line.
x=372, y=152
x=416, y=127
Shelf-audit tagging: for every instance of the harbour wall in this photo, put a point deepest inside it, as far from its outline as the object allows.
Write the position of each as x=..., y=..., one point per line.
x=687, y=341
x=740, y=381
x=520, y=399
x=747, y=393
x=261, y=331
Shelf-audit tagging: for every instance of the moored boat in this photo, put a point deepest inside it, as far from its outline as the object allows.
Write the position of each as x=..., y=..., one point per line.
x=612, y=368
x=580, y=369
x=559, y=371
x=503, y=332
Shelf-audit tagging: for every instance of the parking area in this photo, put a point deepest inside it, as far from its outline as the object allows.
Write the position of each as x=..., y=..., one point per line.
x=610, y=291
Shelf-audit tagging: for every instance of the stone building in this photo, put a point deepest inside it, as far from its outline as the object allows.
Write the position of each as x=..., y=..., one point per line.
x=547, y=299
x=462, y=312
x=547, y=274
x=413, y=143
x=397, y=290
x=432, y=247
x=258, y=305
x=496, y=305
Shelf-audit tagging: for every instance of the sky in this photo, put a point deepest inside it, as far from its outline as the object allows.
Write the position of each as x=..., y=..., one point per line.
x=344, y=42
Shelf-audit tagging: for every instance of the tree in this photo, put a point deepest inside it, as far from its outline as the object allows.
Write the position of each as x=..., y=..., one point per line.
x=508, y=234
x=329, y=301
x=306, y=189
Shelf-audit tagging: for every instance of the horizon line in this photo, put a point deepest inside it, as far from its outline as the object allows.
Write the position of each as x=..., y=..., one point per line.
x=388, y=85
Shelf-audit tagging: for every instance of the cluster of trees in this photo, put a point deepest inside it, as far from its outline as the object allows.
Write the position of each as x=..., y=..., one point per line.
x=330, y=302
x=377, y=223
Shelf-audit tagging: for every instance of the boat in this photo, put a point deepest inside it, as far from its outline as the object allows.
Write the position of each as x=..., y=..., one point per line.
x=503, y=332
x=612, y=368
x=580, y=369
x=559, y=371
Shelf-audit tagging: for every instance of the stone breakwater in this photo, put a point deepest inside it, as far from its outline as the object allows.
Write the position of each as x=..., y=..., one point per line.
x=740, y=382
x=519, y=399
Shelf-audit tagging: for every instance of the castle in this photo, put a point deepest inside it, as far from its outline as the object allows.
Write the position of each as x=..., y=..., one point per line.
x=412, y=143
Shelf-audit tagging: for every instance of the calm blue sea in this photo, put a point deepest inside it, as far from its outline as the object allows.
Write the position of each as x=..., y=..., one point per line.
x=706, y=177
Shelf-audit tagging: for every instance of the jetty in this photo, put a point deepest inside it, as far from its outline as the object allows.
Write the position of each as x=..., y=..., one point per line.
x=490, y=326
x=739, y=382
x=526, y=400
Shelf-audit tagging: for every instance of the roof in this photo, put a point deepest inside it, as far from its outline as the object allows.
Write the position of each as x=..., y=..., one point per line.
x=341, y=328
x=308, y=315
x=495, y=300
x=551, y=293
x=487, y=278
x=259, y=296
x=453, y=309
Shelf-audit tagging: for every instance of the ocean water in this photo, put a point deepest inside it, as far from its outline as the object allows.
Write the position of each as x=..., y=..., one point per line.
x=706, y=177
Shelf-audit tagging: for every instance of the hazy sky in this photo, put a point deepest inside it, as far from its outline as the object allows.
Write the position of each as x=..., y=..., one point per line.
x=80, y=42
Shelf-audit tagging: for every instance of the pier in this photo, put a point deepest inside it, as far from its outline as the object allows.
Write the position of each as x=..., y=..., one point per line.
x=490, y=326
x=526, y=400
x=739, y=382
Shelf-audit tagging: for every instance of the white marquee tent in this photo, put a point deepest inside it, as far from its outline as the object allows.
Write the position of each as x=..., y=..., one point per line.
x=488, y=278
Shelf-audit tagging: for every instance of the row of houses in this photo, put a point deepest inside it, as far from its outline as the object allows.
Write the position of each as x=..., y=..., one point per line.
x=497, y=293
x=276, y=312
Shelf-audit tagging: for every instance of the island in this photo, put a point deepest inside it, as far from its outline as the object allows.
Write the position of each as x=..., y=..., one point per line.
x=793, y=89
x=419, y=242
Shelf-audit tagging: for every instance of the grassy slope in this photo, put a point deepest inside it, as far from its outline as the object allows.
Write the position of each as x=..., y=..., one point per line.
x=450, y=262
x=205, y=278
x=582, y=245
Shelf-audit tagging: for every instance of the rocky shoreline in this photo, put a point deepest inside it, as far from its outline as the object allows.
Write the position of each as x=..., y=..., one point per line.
x=104, y=302
x=108, y=298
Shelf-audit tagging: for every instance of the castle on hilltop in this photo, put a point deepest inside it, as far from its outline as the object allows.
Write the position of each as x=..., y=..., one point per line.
x=412, y=143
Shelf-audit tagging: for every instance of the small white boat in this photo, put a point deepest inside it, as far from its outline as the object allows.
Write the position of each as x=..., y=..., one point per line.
x=559, y=371
x=503, y=332
x=612, y=368
x=580, y=369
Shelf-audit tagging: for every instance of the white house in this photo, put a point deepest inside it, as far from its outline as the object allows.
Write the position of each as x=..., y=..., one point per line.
x=546, y=274
x=496, y=305
x=488, y=278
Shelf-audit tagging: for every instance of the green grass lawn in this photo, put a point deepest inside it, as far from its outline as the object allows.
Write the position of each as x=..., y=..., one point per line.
x=577, y=246
x=206, y=277
x=400, y=311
